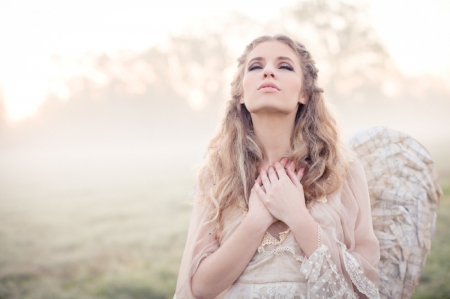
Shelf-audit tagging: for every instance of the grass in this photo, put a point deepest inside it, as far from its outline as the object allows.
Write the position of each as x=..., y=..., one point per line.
x=434, y=282
x=115, y=242
x=125, y=242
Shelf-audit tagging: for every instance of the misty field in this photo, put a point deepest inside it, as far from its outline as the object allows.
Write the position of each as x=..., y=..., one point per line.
x=92, y=225
x=89, y=229
x=93, y=243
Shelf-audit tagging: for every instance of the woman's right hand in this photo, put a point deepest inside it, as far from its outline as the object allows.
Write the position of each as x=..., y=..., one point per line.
x=223, y=267
x=257, y=209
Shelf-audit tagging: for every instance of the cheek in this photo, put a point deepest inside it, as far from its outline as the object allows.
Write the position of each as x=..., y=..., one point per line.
x=295, y=86
x=247, y=84
x=244, y=85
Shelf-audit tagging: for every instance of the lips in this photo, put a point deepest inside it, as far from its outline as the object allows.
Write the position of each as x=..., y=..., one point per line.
x=268, y=85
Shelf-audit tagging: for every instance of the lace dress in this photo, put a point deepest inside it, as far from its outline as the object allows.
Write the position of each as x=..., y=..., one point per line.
x=343, y=266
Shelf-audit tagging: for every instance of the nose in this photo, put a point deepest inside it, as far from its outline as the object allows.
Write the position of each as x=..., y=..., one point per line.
x=269, y=71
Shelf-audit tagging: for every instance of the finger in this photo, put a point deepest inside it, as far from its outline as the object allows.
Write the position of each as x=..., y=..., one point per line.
x=300, y=174
x=293, y=177
x=258, y=180
x=252, y=190
x=284, y=162
x=265, y=180
x=281, y=172
x=291, y=166
x=260, y=192
x=272, y=174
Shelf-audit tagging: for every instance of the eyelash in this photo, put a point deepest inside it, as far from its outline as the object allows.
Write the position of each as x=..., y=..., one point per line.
x=284, y=66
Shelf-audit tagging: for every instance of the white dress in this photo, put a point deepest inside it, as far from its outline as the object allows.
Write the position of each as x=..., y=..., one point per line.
x=344, y=266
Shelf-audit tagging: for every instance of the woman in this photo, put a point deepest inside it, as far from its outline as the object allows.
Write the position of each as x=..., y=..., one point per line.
x=282, y=209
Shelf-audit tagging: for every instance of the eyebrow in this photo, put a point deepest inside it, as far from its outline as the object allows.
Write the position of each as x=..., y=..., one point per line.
x=279, y=58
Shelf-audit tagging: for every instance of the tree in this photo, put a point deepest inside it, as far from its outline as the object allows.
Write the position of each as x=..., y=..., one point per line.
x=343, y=42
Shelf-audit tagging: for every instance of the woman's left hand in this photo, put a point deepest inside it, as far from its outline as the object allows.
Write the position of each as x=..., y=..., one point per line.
x=283, y=196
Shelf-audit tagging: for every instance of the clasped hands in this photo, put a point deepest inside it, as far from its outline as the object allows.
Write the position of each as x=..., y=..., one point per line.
x=278, y=194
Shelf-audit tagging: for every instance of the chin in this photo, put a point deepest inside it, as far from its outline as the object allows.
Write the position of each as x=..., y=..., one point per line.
x=272, y=109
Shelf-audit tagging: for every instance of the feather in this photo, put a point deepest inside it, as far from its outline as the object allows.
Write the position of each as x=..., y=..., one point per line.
x=404, y=193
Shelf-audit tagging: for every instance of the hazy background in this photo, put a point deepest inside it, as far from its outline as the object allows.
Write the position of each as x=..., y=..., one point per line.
x=106, y=108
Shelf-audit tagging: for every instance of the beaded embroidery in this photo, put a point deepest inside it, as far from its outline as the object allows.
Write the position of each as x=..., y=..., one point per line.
x=282, y=251
x=271, y=240
x=268, y=238
x=319, y=235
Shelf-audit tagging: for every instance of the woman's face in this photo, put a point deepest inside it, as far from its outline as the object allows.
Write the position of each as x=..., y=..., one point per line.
x=272, y=80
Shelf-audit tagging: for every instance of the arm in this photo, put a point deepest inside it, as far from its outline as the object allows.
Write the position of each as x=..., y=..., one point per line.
x=220, y=269
x=361, y=252
x=348, y=236
x=223, y=267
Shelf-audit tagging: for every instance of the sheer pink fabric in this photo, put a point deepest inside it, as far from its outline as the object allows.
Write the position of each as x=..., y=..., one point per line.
x=344, y=265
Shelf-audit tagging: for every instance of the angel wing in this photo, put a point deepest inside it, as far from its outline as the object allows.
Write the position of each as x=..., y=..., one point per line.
x=404, y=194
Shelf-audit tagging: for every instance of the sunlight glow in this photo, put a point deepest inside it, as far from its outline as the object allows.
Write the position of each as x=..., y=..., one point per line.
x=32, y=31
x=24, y=86
x=415, y=34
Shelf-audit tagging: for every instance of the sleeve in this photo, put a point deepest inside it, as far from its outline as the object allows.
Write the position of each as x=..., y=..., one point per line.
x=346, y=261
x=201, y=242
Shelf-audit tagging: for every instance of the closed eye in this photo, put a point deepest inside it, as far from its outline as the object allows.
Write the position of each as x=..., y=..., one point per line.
x=254, y=67
x=287, y=67
x=284, y=66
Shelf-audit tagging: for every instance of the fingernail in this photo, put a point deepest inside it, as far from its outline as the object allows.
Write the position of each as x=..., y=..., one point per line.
x=302, y=170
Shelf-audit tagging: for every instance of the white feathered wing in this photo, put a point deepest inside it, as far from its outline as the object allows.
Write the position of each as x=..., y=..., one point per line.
x=404, y=194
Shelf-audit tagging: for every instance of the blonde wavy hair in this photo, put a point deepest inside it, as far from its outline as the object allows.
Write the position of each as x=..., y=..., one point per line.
x=235, y=155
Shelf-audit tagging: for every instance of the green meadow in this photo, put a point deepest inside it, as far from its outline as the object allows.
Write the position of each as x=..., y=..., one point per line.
x=434, y=282
x=124, y=241
x=109, y=243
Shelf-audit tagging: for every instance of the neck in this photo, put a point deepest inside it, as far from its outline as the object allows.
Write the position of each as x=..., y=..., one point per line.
x=274, y=133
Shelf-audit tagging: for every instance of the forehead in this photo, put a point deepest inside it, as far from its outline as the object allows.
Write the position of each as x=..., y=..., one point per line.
x=272, y=50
